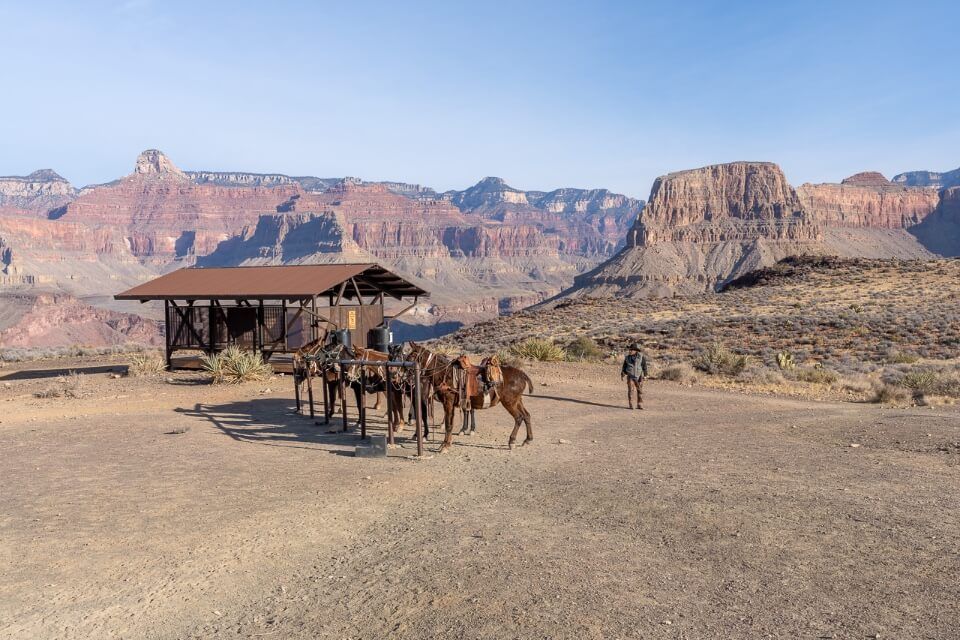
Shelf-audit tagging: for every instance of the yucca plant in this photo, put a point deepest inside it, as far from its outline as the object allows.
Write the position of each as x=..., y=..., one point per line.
x=537, y=349
x=234, y=365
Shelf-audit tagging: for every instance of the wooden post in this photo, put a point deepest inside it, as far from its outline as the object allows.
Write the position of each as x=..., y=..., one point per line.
x=310, y=389
x=388, y=390
x=343, y=397
x=327, y=409
x=417, y=412
x=362, y=411
x=166, y=331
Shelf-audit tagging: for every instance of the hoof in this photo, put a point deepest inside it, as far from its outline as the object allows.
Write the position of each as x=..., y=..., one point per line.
x=444, y=449
x=525, y=442
x=510, y=445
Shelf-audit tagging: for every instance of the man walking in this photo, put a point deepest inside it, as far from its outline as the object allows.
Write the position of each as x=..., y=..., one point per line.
x=634, y=370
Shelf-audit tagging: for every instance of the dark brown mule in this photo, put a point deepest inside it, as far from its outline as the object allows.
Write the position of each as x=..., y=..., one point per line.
x=443, y=377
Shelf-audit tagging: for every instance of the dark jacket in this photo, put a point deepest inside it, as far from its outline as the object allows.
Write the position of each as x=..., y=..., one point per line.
x=635, y=366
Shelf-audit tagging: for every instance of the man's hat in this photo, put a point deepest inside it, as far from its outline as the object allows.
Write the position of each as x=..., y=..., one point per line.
x=635, y=346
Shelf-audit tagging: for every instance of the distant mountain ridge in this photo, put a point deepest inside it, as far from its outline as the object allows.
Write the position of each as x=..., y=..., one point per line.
x=477, y=260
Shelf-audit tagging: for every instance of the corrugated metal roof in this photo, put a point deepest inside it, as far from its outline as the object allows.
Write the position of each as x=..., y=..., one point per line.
x=271, y=283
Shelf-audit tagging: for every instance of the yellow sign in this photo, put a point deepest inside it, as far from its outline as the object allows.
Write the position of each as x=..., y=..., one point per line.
x=352, y=319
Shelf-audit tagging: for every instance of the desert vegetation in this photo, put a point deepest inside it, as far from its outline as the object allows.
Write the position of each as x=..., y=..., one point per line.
x=855, y=328
x=234, y=366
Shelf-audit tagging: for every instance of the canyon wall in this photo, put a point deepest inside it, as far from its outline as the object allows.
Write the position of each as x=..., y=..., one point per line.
x=705, y=226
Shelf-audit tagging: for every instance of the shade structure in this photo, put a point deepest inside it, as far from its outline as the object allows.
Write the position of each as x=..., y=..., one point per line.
x=286, y=282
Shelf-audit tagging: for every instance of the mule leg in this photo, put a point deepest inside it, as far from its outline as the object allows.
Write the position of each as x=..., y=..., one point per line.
x=448, y=411
x=473, y=421
x=528, y=423
x=360, y=395
x=465, y=426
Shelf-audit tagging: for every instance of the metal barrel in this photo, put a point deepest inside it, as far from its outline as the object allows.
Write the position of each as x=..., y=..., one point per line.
x=378, y=339
x=342, y=336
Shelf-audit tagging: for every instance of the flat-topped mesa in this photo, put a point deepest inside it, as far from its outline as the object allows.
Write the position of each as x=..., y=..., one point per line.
x=867, y=179
x=154, y=163
x=738, y=200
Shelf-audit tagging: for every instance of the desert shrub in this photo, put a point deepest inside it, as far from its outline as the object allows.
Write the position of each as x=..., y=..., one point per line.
x=507, y=358
x=927, y=381
x=71, y=385
x=890, y=394
x=584, y=348
x=234, y=365
x=146, y=364
x=815, y=375
x=537, y=349
x=785, y=360
x=895, y=356
x=856, y=384
x=718, y=360
x=760, y=375
x=921, y=381
x=678, y=373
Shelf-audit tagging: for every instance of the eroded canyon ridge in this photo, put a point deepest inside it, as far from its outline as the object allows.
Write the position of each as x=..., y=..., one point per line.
x=491, y=248
x=482, y=251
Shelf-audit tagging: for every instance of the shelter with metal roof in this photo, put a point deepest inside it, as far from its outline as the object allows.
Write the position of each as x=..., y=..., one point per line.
x=273, y=309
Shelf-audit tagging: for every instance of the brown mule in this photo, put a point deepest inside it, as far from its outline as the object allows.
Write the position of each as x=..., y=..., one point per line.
x=445, y=375
x=379, y=383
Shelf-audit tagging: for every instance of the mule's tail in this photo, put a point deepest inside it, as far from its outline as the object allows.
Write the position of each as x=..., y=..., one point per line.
x=529, y=381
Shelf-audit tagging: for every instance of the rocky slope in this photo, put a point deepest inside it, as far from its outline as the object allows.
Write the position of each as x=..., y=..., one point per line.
x=705, y=226
x=45, y=319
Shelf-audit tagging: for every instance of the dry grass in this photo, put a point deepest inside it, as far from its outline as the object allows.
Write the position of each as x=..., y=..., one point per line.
x=146, y=364
x=678, y=373
x=72, y=385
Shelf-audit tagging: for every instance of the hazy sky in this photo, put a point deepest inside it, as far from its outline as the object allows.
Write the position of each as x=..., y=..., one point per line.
x=544, y=94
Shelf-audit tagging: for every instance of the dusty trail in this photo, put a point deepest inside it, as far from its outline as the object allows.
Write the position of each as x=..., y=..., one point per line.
x=709, y=515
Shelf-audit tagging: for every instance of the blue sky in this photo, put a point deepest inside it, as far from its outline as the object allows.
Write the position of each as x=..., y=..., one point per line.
x=544, y=94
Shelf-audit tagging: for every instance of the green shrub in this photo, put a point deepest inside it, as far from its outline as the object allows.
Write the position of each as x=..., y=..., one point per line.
x=718, y=360
x=234, y=365
x=584, y=348
x=536, y=349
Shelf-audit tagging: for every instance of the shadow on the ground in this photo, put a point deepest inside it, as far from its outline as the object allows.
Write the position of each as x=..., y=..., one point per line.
x=40, y=374
x=578, y=401
x=273, y=422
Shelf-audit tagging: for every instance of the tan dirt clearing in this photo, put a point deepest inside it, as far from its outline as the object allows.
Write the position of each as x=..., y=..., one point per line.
x=166, y=508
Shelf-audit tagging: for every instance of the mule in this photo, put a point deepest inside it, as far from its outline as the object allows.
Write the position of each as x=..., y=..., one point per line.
x=444, y=379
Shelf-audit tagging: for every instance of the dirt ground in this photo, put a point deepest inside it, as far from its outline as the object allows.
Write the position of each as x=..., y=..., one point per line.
x=167, y=508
